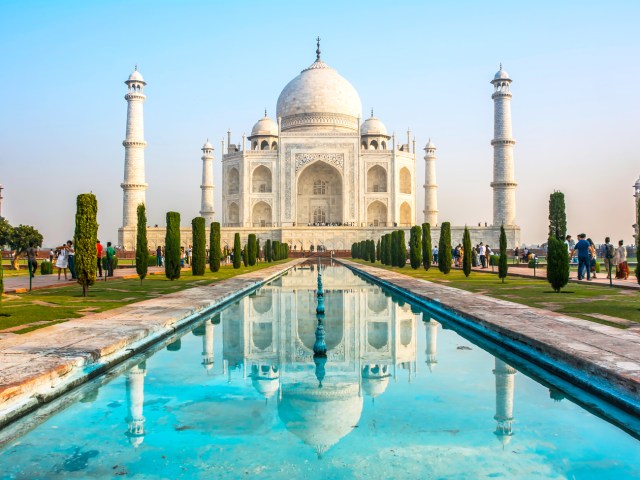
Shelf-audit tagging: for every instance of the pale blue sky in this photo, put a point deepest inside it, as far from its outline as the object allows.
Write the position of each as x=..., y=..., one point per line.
x=425, y=65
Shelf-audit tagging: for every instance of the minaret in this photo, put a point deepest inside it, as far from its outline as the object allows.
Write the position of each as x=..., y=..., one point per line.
x=504, y=184
x=207, y=346
x=505, y=378
x=135, y=400
x=432, y=343
x=134, y=186
x=206, y=205
x=430, y=186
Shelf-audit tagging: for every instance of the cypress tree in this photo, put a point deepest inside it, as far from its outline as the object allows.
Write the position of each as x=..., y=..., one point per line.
x=388, y=249
x=503, y=267
x=267, y=251
x=172, y=246
x=86, y=238
x=275, y=250
x=426, y=246
x=637, y=242
x=395, y=248
x=245, y=255
x=383, y=249
x=142, y=248
x=199, y=252
x=353, y=250
x=468, y=252
x=372, y=251
x=557, y=263
x=214, y=247
x=237, y=251
x=557, y=216
x=257, y=249
x=402, y=249
x=378, y=250
x=415, y=247
x=444, y=248
x=252, y=247
x=286, y=250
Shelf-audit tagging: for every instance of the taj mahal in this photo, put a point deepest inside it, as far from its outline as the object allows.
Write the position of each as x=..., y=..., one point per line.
x=318, y=175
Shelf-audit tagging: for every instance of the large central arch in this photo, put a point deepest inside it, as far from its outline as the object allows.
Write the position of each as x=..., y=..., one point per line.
x=319, y=198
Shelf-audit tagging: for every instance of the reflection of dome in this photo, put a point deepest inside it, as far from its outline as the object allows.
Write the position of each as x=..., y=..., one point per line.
x=265, y=379
x=375, y=379
x=373, y=126
x=320, y=417
x=319, y=90
x=265, y=126
x=504, y=437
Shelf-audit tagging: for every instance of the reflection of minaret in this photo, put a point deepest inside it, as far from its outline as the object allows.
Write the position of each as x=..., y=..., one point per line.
x=320, y=347
x=505, y=377
x=135, y=400
x=207, y=345
x=432, y=343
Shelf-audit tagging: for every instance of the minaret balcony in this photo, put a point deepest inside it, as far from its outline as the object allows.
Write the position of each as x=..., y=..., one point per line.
x=135, y=96
x=134, y=143
x=134, y=185
x=503, y=184
x=503, y=141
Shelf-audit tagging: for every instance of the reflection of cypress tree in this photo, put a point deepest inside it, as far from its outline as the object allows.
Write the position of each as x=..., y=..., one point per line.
x=176, y=345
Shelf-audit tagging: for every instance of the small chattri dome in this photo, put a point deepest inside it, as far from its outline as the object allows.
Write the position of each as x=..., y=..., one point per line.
x=265, y=126
x=501, y=74
x=135, y=76
x=430, y=145
x=207, y=145
x=373, y=126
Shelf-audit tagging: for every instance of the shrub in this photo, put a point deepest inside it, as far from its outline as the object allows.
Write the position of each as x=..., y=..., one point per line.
x=237, y=251
x=214, y=247
x=199, y=252
x=503, y=266
x=86, y=238
x=252, y=247
x=444, y=248
x=142, y=248
x=152, y=260
x=415, y=247
x=426, y=246
x=557, y=263
x=402, y=249
x=468, y=252
x=172, y=246
x=46, y=268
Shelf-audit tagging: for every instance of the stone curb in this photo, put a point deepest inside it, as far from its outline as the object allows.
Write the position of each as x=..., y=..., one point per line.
x=594, y=368
x=44, y=371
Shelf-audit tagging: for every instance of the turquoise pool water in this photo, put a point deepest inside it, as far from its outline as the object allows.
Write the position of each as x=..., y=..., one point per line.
x=239, y=396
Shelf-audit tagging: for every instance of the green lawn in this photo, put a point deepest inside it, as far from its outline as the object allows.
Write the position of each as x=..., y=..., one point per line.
x=575, y=299
x=63, y=303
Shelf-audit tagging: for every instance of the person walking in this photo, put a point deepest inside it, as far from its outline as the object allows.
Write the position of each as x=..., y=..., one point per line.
x=435, y=255
x=487, y=255
x=72, y=256
x=32, y=264
x=608, y=252
x=592, y=257
x=622, y=268
x=159, y=256
x=99, y=253
x=111, y=254
x=483, y=259
x=584, y=263
x=62, y=263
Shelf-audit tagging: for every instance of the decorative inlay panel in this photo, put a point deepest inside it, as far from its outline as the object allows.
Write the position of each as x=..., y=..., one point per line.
x=336, y=159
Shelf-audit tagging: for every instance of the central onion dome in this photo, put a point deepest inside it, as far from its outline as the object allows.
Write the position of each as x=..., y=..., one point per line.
x=319, y=98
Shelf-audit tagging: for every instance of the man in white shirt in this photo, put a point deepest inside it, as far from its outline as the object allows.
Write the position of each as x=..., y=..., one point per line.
x=483, y=258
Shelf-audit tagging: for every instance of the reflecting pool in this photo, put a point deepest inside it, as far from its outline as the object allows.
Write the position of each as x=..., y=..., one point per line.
x=399, y=394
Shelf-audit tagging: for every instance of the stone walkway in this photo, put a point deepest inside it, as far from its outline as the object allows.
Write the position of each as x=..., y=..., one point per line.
x=20, y=284
x=601, y=353
x=41, y=365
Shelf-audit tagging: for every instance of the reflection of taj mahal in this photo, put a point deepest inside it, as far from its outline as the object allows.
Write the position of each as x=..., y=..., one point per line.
x=317, y=165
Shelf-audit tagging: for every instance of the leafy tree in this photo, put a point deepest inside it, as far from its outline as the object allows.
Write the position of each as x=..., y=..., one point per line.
x=19, y=240
x=245, y=255
x=237, y=251
x=214, y=247
x=557, y=216
x=503, y=267
x=86, y=237
x=172, y=246
x=372, y=251
x=557, y=263
x=444, y=248
x=468, y=252
x=267, y=251
x=252, y=246
x=415, y=247
x=402, y=249
x=142, y=248
x=378, y=250
x=426, y=246
x=6, y=230
x=199, y=252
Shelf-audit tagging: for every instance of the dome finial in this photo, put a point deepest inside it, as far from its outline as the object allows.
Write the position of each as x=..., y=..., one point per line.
x=372, y=112
x=265, y=113
x=135, y=68
x=500, y=66
x=318, y=49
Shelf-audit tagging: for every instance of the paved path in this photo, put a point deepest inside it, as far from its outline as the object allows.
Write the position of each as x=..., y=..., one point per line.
x=20, y=284
x=41, y=365
x=599, y=351
x=602, y=280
